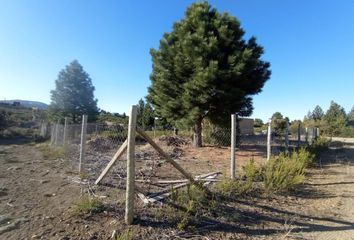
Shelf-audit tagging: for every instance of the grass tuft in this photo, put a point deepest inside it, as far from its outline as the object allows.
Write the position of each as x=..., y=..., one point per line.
x=87, y=206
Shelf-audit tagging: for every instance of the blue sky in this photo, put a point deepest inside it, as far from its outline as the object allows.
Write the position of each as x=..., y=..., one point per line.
x=310, y=45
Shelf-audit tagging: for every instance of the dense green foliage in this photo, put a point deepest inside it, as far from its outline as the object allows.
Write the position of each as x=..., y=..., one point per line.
x=284, y=172
x=279, y=124
x=73, y=95
x=335, y=122
x=117, y=118
x=146, y=115
x=205, y=69
x=3, y=120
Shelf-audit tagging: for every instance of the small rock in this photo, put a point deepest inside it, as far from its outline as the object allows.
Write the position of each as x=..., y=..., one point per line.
x=86, y=226
x=44, y=181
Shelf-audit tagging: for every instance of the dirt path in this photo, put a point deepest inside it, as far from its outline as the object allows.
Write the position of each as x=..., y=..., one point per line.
x=34, y=193
x=334, y=211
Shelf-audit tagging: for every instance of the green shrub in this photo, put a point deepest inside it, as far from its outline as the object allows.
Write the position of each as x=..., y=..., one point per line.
x=251, y=172
x=229, y=187
x=87, y=205
x=51, y=153
x=285, y=171
x=125, y=235
x=194, y=202
x=321, y=144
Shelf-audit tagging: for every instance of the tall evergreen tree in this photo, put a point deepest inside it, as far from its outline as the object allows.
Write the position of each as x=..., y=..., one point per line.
x=335, y=119
x=145, y=115
x=350, y=115
x=205, y=69
x=73, y=95
x=317, y=113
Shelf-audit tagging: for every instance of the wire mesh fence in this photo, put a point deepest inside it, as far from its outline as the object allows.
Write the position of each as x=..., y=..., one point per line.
x=103, y=140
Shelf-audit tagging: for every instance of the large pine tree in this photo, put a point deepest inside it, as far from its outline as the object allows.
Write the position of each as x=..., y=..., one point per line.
x=205, y=69
x=73, y=95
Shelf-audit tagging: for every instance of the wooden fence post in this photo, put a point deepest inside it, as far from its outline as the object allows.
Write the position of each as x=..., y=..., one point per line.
x=52, y=134
x=269, y=138
x=130, y=188
x=298, y=135
x=307, y=135
x=83, y=141
x=233, y=146
x=65, y=130
x=56, y=133
x=287, y=137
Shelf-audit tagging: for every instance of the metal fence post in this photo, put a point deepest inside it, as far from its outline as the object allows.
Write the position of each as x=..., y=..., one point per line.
x=130, y=188
x=269, y=138
x=83, y=141
x=233, y=146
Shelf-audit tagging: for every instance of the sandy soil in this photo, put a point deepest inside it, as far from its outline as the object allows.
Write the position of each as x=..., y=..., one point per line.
x=37, y=197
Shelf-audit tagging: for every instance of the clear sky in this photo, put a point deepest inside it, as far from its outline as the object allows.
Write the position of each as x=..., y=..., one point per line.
x=310, y=45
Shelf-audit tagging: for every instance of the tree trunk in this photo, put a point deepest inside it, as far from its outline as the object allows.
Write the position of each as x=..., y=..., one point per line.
x=197, y=134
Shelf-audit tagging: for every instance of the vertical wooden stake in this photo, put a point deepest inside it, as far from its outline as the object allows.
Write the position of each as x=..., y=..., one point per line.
x=269, y=138
x=287, y=137
x=65, y=130
x=233, y=146
x=130, y=188
x=83, y=141
x=298, y=135
x=52, y=136
x=56, y=133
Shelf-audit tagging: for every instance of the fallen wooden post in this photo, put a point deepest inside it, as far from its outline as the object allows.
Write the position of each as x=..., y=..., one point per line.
x=116, y=156
x=167, y=192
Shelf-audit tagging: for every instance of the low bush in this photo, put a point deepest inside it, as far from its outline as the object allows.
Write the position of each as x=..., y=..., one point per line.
x=321, y=144
x=193, y=203
x=125, y=235
x=51, y=153
x=88, y=205
x=285, y=171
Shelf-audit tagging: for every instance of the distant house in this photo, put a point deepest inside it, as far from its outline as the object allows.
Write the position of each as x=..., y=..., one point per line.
x=16, y=104
x=246, y=126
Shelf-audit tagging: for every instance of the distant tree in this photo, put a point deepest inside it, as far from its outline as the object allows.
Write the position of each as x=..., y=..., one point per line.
x=148, y=116
x=73, y=95
x=350, y=117
x=293, y=127
x=258, y=123
x=279, y=123
x=308, y=116
x=117, y=118
x=3, y=120
x=145, y=115
x=205, y=69
x=335, y=119
x=317, y=113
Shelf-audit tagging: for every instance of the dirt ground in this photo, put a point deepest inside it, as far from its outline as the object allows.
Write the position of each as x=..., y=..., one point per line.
x=38, y=195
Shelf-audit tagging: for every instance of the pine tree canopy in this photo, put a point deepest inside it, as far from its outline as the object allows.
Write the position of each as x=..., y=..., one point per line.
x=205, y=69
x=73, y=95
x=317, y=113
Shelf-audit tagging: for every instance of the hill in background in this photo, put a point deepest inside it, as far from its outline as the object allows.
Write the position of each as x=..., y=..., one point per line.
x=26, y=103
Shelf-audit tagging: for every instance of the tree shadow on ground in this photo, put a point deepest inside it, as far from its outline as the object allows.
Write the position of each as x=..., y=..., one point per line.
x=15, y=140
